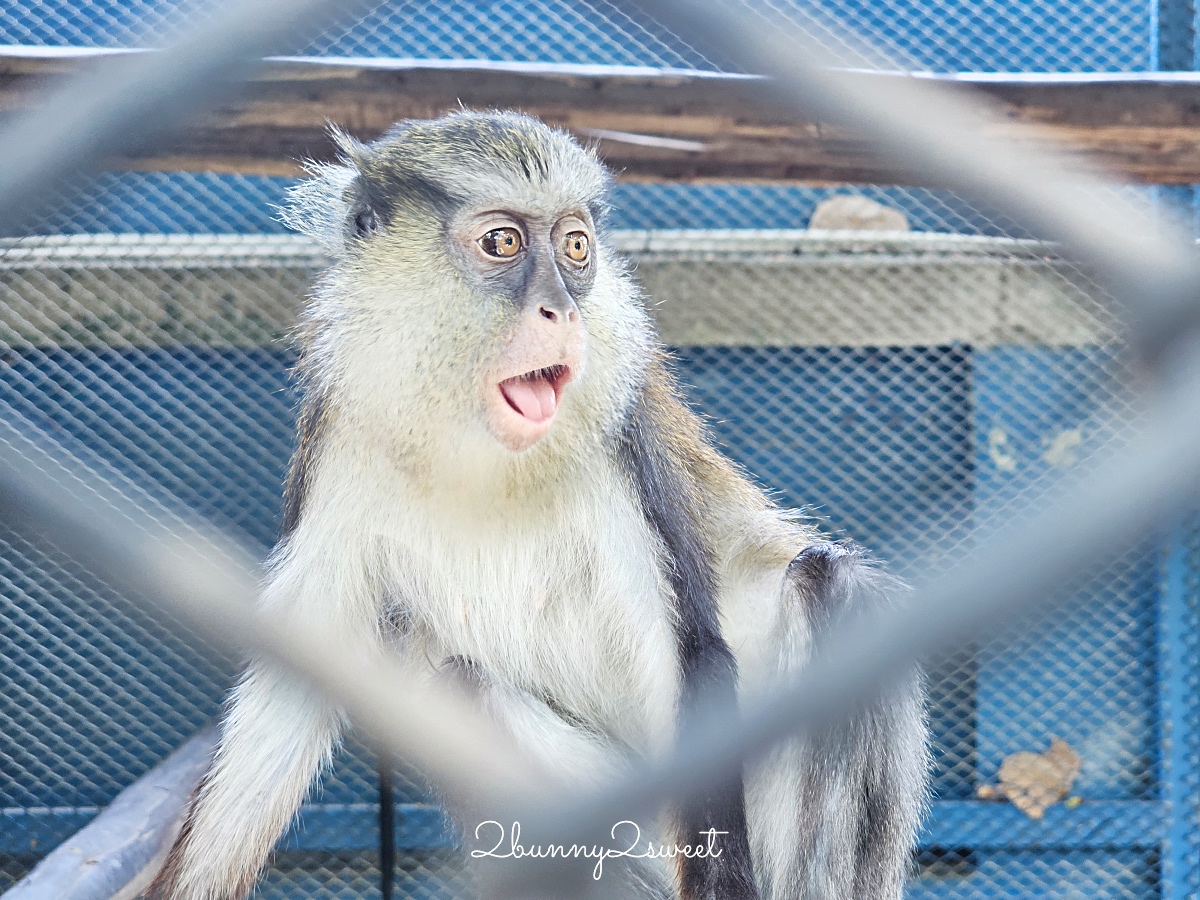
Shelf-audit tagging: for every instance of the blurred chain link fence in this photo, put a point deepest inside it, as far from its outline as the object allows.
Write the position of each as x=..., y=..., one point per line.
x=949, y=35
x=906, y=389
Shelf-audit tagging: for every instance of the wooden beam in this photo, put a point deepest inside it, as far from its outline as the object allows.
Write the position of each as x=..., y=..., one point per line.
x=667, y=125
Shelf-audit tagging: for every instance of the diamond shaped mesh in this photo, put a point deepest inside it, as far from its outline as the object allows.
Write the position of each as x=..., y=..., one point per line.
x=908, y=391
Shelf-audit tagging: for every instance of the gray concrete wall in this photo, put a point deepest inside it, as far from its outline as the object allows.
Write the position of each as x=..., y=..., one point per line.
x=707, y=288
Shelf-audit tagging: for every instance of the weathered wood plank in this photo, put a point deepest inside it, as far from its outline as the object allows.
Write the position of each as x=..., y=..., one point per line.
x=648, y=124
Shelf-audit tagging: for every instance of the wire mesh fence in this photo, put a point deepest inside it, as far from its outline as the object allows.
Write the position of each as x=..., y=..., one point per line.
x=903, y=389
x=949, y=35
x=906, y=389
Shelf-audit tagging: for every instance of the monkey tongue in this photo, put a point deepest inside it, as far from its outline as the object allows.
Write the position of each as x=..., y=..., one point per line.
x=533, y=398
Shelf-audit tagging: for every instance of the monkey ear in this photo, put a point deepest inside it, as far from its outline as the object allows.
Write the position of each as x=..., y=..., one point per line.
x=365, y=221
x=350, y=151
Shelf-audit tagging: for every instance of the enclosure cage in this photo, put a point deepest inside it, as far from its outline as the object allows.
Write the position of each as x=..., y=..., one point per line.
x=910, y=389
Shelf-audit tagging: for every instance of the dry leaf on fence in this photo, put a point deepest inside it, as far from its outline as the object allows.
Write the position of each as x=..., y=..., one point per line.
x=1036, y=781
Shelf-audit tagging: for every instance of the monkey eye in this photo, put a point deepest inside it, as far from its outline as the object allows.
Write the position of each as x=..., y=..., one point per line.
x=575, y=246
x=501, y=242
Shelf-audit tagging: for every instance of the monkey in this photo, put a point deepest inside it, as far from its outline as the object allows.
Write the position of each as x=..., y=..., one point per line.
x=496, y=476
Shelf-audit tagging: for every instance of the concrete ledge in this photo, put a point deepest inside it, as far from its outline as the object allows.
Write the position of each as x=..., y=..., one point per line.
x=703, y=288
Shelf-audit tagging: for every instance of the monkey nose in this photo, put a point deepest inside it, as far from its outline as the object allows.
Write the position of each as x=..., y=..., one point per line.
x=556, y=313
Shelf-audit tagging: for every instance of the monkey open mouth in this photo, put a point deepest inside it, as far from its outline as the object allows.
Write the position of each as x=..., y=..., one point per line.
x=535, y=394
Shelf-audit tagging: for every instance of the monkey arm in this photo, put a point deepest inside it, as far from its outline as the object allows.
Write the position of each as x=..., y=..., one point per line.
x=275, y=737
x=275, y=734
x=835, y=816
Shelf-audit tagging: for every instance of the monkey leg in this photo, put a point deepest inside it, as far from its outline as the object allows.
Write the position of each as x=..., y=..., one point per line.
x=834, y=815
x=275, y=738
x=577, y=757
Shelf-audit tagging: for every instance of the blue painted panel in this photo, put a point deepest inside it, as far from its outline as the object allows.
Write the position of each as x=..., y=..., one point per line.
x=355, y=826
x=1087, y=676
x=895, y=471
x=171, y=203
x=545, y=30
x=1089, y=826
x=783, y=206
x=208, y=429
x=202, y=203
x=1001, y=35
x=1107, y=874
x=40, y=829
x=352, y=875
x=946, y=35
x=92, y=692
x=1179, y=674
x=1175, y=23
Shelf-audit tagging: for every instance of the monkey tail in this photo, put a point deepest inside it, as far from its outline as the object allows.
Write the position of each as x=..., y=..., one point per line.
x=857, y=790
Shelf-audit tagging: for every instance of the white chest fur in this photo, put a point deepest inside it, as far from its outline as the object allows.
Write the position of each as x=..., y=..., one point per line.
x=567, y=602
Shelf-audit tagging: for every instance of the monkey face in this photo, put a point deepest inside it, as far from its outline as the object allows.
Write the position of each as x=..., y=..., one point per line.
x=538, y=269
x=474, y=322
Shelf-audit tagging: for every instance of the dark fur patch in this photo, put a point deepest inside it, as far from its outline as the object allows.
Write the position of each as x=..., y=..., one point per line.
x=366, y=222
x=464, y=672
x=826, y=570
x=709, y=671
x=310, y=430
x=380, y=191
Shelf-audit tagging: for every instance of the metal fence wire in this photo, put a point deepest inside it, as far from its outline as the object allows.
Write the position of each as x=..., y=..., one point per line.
x=907, y=389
